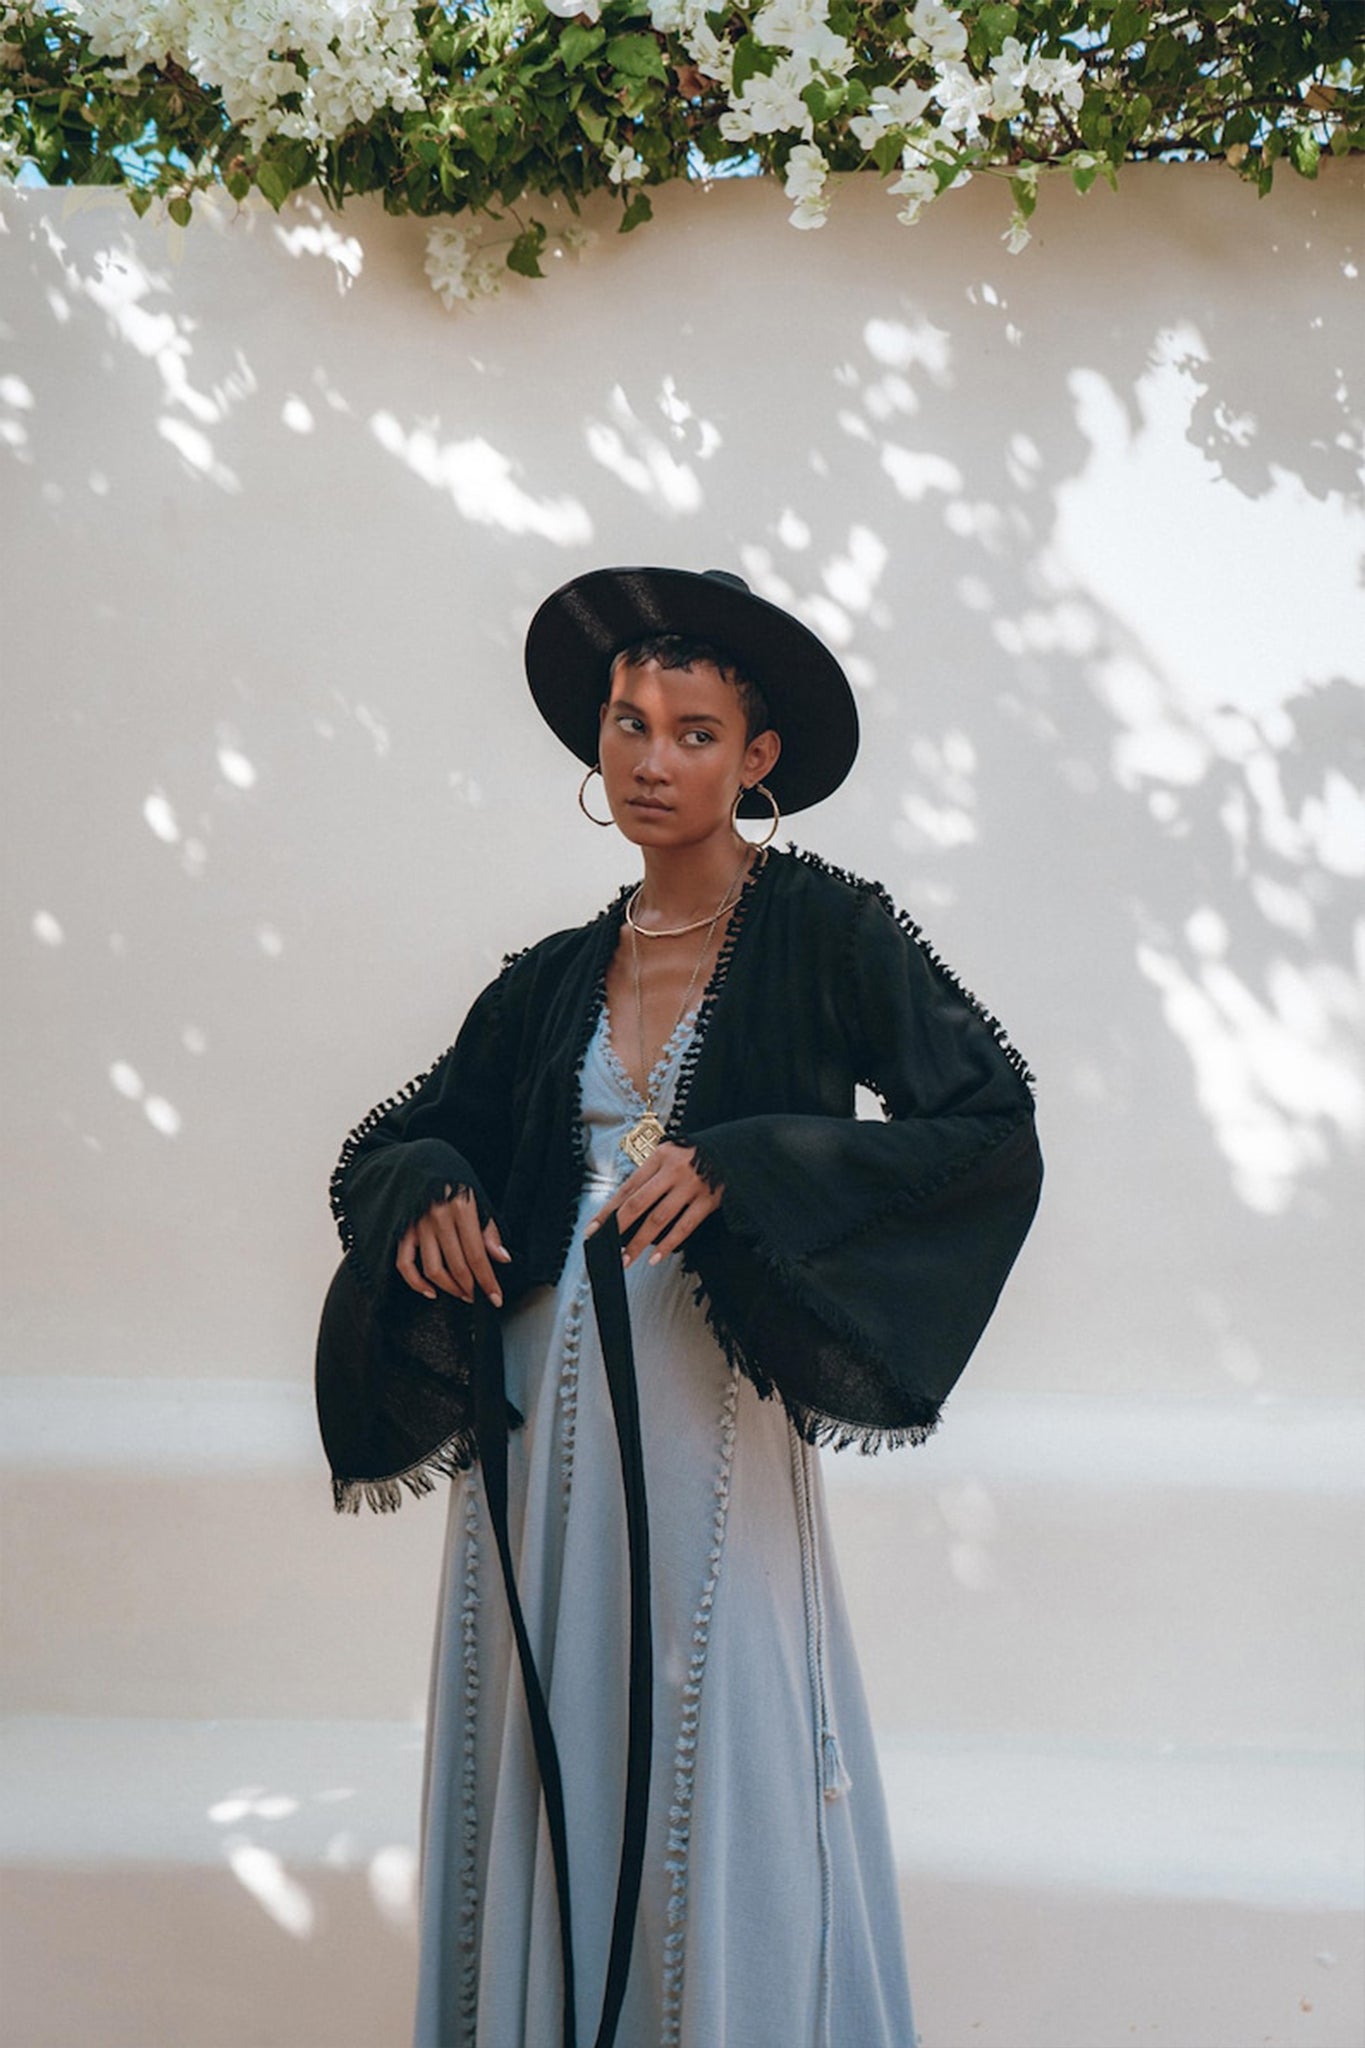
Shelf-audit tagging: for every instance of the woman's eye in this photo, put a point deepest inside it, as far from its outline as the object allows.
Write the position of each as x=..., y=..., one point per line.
x=700, y=733
x=627, y=718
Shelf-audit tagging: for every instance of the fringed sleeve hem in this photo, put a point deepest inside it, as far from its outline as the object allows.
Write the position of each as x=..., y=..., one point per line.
x=393, y=1368
x=853, y=1264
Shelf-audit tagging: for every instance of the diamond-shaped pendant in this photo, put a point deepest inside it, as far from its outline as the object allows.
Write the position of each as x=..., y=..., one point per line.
x=643, y=1138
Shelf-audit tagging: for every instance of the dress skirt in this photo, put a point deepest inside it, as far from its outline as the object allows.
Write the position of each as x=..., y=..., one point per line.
x=768, y=1913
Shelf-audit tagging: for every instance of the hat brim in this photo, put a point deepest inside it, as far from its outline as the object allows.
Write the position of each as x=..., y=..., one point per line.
x=581, y=626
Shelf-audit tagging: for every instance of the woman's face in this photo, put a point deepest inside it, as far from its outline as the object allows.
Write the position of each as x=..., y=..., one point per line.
x=674, y=752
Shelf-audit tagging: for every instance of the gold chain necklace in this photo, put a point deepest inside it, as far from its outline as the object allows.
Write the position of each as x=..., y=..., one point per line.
x=646, y=1134
x=672, y=931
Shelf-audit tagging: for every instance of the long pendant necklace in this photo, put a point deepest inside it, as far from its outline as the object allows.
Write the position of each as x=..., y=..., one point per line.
x=646, y=1134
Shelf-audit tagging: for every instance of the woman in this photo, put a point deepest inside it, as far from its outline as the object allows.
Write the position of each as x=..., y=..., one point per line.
x=616, y=1262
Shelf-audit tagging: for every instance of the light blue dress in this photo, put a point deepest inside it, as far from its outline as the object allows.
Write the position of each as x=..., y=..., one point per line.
x=768, y=1913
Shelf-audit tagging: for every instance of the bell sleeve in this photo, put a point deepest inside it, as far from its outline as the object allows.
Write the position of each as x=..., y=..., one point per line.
x=393, y=1369
x=854, y=1263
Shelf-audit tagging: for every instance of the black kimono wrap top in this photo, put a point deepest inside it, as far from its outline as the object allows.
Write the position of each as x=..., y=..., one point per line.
x=853, y=1262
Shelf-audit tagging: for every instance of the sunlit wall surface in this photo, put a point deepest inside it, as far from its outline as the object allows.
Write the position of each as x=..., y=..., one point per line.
x=1086, y=526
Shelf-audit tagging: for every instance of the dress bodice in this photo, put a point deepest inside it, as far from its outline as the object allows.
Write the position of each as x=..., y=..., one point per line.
x=611, y=1102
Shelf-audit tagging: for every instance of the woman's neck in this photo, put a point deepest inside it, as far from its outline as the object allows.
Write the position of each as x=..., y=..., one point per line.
x=686, y=882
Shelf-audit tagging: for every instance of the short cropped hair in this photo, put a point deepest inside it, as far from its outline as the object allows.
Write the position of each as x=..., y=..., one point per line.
x=677, y=650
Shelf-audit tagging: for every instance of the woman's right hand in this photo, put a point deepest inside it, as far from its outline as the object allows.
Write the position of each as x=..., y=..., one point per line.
x=446, y=1249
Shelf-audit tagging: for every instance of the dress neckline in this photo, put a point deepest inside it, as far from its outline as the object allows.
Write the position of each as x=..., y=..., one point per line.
x=658, y=1073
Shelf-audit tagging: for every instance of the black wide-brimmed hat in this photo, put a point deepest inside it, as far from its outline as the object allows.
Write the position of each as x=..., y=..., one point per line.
x=581, y=626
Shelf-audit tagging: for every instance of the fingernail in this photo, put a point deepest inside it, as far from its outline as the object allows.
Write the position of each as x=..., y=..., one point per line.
x=655, y=1258
x=495, y=1298
x=625, y=1258
x=431, y=1294
x=588, y=1229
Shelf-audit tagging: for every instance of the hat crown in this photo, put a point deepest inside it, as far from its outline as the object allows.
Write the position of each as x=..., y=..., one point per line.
x=579, y=628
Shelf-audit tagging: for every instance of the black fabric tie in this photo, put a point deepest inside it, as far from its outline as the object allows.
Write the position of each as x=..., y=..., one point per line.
x=490, y=1402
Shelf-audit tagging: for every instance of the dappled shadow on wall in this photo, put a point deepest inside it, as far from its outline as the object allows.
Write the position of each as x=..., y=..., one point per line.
x=1090, y=554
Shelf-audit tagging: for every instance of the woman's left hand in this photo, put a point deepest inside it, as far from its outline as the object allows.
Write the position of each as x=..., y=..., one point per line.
x=671, y=1196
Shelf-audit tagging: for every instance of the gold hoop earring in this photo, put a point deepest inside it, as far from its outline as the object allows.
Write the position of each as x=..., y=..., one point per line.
x=582, y=805
x=763, y=790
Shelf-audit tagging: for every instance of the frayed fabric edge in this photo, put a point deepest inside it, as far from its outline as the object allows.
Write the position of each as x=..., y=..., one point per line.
x=814, y=1425
x=385, y=1495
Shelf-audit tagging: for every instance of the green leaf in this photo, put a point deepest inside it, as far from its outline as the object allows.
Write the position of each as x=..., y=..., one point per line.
x=995, y=23
x=524, y=252
x=1025, y=195
x=751, y=57
x=1163, y=53
x=238, y=185
x=823, y=100
x=1304, y=151
x=639, y=210
x=886, y=152
x=482, y=135
x=577, y=43
x=1127, y=25
x=140, y=200
x=1083, y=176
x=272, y=184
x=593, y=124
x=636, y=56
x=1094, y=122
x=179, y=210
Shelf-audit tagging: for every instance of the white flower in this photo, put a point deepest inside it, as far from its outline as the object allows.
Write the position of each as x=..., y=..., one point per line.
x=809, y=213
x=712, y=55
x=1058, y=78
x=938, y=29
x=806, y=172
x=1011, y=67
x=592, y=8
x=458, y=269
x=735, y=125
x=770, y=106
x=963, y=97
x=803, y=26
x=785, y=23
x=351, y=61
x=918, y=186
x=1016, y=235
x=626, y=166
x=891, y=107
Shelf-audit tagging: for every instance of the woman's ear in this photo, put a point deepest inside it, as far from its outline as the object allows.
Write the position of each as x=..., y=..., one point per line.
x=760, y=756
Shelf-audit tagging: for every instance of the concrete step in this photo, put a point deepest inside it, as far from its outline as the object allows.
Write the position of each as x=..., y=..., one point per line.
x=1151, y=1572
x=250, y=1884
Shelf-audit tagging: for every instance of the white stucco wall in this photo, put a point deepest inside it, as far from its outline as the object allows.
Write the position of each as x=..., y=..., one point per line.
x=1086, y=525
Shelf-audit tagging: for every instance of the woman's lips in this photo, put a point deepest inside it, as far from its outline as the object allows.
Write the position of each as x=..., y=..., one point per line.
x=647, y=803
